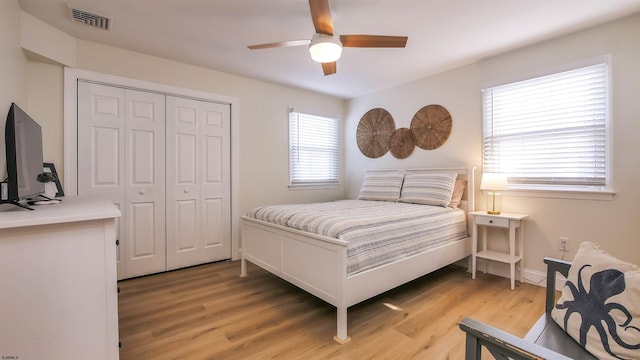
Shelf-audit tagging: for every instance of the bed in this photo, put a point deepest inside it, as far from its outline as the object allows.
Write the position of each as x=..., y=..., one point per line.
x=325, y=252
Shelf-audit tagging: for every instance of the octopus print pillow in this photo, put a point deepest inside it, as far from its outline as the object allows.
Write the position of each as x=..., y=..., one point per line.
x=600, y=304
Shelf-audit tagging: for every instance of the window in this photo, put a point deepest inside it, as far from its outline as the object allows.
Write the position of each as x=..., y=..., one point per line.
x=313, y=149
x=549, y=133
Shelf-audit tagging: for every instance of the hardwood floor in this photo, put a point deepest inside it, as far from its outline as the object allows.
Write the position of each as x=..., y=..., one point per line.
x=209, y=312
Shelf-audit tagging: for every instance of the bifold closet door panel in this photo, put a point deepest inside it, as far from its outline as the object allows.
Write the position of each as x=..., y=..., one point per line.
x=101, y=136
x=198, y=182
x=145, y=182
x=121, y=155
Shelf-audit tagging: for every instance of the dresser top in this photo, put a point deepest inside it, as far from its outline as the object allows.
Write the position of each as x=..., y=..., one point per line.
x=72, y=208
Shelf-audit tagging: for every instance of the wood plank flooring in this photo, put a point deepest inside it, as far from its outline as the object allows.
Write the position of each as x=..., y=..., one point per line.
x=209, y=312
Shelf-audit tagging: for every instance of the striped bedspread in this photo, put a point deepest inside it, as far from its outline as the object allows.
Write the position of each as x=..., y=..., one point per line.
x=378, y=232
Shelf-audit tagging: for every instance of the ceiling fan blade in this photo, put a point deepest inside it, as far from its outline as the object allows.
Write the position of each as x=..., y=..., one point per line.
x=329, y=68
x=373, y=41
x=279, y=44
x=321, y=16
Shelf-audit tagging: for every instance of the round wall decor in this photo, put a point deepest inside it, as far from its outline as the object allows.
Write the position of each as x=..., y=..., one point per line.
x=374, y=131
x=402, y=143
x=431, y=127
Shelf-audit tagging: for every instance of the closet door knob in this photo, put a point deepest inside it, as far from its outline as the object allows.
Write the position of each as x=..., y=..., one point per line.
x=141, y=192
x=186, y=191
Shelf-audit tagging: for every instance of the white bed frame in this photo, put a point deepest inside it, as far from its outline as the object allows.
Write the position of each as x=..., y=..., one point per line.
x=318, y=264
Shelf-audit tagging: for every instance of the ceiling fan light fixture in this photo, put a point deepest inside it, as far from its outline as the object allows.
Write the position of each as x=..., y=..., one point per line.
x=325, y=48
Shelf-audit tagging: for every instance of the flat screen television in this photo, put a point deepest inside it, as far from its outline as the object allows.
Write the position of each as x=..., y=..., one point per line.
x=23, y=138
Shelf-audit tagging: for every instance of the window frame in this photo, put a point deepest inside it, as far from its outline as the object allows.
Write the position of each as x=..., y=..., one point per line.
x=604, y=192
x=337, y=166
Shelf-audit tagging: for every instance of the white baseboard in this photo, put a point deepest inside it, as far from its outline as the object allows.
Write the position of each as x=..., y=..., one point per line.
x=530, y=276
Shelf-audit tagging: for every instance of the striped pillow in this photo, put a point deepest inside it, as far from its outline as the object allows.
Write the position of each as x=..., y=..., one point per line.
x=428, y=189
x=382, y=185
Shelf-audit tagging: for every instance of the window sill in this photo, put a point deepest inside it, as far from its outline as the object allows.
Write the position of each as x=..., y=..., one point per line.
x=562, y=194
x=313, y=186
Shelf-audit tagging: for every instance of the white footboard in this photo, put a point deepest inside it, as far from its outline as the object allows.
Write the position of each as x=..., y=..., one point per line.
x=315, y=264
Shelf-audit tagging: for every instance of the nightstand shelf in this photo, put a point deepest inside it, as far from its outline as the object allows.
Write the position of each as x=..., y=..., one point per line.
x=512, y=222
x=496, y=256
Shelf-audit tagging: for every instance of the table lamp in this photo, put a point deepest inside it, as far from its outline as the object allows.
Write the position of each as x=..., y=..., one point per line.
x=493, y=182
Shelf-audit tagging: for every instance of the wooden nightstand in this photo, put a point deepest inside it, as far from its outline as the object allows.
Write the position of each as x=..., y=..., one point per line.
x=506, y=221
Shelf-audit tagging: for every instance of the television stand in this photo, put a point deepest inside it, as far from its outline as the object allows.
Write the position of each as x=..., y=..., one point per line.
x=46, y=198
x=44, y=201
x=17, y=204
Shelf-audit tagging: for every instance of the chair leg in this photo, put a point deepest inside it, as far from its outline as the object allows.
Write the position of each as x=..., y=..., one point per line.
x=473, y=349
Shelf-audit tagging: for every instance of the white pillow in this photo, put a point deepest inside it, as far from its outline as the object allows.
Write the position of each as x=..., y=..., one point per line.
x=428, y=189
x=382, y=185
x=600, y=304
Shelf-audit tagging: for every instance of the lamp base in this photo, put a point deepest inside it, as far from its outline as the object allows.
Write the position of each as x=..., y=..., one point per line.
x=494, y=203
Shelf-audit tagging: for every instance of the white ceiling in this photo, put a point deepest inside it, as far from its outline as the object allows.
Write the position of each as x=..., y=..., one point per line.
x=442, y=34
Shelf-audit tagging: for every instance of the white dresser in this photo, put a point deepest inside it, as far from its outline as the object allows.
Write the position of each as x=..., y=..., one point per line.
x=58, y=284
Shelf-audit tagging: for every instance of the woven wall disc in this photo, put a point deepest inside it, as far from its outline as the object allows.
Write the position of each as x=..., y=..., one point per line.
x=402, y=143
x=431, y=126
x=374, y=131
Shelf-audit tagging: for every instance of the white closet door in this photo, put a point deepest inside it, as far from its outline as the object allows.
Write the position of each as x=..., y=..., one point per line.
x=145, y=182
x=121, y=156
x=198, y=182
x=101, y=136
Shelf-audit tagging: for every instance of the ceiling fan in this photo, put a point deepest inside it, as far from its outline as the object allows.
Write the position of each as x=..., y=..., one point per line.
x=325, y=47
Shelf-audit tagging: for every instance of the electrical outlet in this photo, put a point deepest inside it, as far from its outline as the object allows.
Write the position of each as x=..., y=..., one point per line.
x=564, y=244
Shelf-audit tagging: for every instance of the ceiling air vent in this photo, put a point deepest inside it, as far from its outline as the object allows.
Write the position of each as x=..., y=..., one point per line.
x=91, y=19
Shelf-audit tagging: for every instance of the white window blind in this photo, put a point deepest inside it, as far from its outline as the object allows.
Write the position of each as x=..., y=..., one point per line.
x=549, y=132
x=313, y=149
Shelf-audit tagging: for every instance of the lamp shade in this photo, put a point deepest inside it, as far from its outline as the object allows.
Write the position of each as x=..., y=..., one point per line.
x=325, y=48
x=494, y=181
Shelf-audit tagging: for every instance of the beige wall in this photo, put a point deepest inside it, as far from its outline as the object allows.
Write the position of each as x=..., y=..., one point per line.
x=44, y=100
x=614, y=224
x=263, y=161
x=13, y=69
x=34, y=77
x=263, y=116
x=263, y=107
